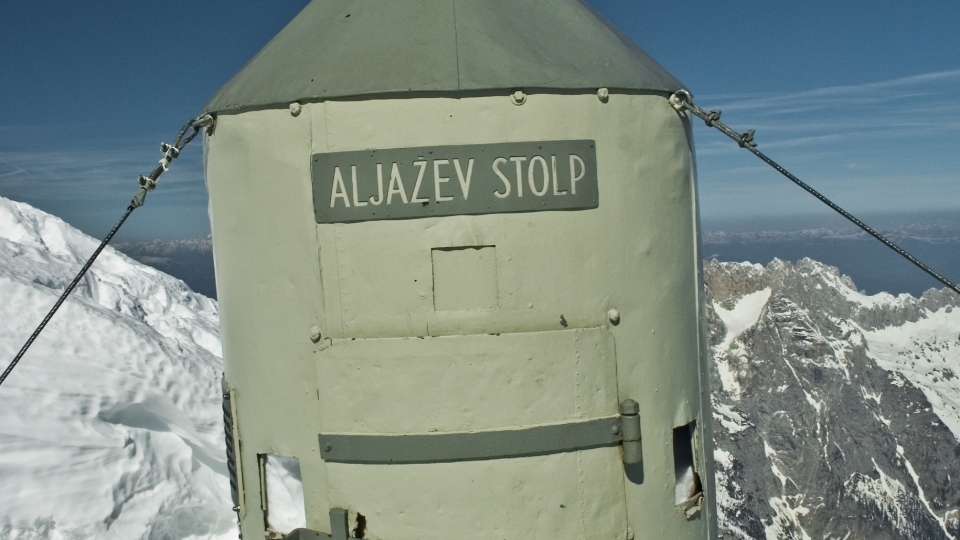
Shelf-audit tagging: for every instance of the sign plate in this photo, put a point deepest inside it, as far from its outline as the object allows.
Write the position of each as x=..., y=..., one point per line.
x=431, y=181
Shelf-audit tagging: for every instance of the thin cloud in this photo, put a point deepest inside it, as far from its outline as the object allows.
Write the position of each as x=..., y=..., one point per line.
x=880, y=92
x=9, y=171
x=885, y=145
x=83, y=174
x=881, y=114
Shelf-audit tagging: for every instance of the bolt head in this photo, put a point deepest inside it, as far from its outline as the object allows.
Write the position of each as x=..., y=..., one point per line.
x=614, y=317
x=629, y=407
x=518, y=97
x=327, y=447
x=295, y=108
x=629, y=533
x=603, y=95
x=315, y=334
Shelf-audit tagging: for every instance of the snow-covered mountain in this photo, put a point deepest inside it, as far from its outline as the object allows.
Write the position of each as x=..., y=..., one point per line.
x=837, y=415
x=190, y=260
x=110, y=427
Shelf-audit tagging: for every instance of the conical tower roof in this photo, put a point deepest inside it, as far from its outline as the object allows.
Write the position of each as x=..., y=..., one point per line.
x=342, y=48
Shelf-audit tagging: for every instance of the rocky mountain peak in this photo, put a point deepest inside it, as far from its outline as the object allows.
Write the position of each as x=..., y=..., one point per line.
x=833, y=414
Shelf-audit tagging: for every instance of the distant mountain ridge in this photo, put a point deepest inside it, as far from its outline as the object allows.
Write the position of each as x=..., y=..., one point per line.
x=190, y=260
x=166, y=248
x=873, y=266
x=920, y=232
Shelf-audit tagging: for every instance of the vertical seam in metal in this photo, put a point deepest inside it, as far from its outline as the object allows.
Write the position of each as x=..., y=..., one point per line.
x=326, y=125
x=581, y=503
x=316, y=230
x=337, y=227
x=608, y=346
x=577, y=387
x=336, y=233
x=456, y=42
x=703, y=440
x=321, y=313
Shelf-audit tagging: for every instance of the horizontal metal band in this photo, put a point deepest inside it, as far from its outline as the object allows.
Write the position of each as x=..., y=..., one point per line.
x=447, y=447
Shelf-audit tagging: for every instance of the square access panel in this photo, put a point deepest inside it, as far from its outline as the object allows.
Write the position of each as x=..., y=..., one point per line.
x=465, y=278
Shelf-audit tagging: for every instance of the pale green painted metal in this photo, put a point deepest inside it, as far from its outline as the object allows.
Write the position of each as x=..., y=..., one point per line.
x=344, y=48
x=404, y=350
x=306, y=534
x=390, y=362
x=339, y=529
x=450, y=447
x=472, y=179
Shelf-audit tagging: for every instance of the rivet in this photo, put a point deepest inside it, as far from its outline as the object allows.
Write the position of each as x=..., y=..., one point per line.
x=518, y=97
x=615, y=429
x=295, y=108
x=603, y=94
x=315, y=334
x=327, y=447
x=614, y=317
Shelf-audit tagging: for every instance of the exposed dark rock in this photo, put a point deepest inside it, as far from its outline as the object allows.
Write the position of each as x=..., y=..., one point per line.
x=815, y=438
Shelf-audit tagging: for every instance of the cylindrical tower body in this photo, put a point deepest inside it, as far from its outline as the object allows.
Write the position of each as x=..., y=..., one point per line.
x=440, y=300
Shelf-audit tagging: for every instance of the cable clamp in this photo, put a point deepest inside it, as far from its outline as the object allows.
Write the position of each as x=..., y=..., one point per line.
x=147, y=183
x=170, y=153
x=712, y=117
x=746, y=139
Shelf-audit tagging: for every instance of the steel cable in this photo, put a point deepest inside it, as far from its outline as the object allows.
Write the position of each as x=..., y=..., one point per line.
x=683, y=101
x=147, y=184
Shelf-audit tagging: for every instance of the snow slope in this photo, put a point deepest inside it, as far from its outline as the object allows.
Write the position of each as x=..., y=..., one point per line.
x=110, y=427
x=927, y=353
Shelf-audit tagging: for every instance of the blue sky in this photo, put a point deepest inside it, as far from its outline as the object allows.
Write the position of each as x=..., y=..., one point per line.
x=860, y=99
